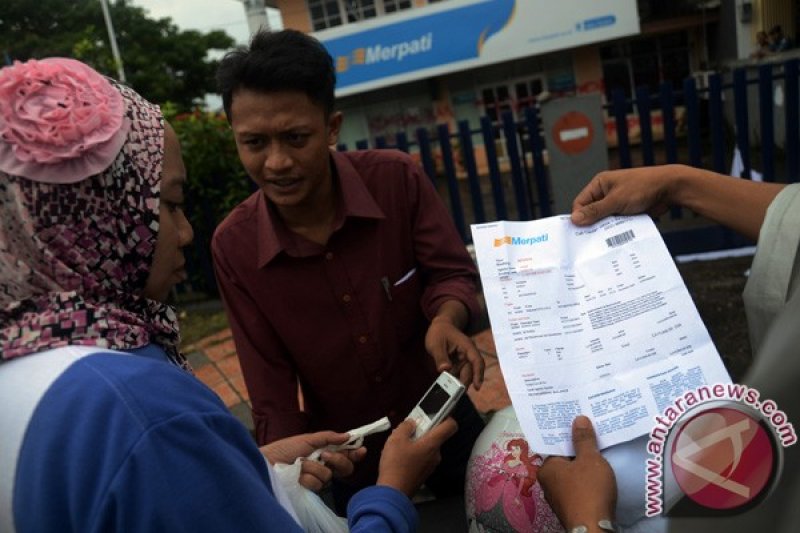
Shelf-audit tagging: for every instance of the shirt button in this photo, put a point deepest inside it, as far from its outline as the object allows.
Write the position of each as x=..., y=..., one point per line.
x=346, y=298
x=329, y=256
x=362, y=339
x=378, y=379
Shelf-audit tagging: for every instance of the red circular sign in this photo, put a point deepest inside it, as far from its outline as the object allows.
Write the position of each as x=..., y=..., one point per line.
x=722, y=458
x=573, y=132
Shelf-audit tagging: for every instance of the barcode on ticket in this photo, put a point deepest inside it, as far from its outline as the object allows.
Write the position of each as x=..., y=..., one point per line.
x=619, y=240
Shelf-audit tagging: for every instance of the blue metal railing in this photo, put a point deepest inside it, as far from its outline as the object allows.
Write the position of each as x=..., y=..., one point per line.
x=516, y=184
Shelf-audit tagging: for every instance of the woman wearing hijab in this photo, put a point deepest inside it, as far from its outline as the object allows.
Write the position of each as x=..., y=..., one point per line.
x=102, y=426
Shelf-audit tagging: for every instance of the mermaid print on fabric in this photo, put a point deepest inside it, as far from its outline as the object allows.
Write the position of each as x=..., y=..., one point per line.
x=502, y=492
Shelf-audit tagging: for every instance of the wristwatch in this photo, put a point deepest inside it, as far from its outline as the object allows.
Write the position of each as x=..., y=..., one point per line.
x=605, y=525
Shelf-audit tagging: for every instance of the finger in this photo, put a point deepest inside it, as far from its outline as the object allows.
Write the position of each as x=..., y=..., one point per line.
x=595, y=211
x=589, y=194
x=441, y=358
x=477, y=365
x=441, y=432
x=324, y=438
x=583, y=437
x=357, y=455
x=339, y=463
x=314, y=475
x=405, y=429
x=465, y=374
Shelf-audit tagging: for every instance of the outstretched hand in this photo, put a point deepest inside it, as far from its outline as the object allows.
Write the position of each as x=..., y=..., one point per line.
x=314, y=475
x=452, y=350
x=406, y=463
x=583, y=490
x=625, y=192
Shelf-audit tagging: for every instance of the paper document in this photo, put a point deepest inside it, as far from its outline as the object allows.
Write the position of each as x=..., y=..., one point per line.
x=593, y=320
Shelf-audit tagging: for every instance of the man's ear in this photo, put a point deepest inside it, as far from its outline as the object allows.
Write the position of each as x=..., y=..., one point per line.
x=334, y=126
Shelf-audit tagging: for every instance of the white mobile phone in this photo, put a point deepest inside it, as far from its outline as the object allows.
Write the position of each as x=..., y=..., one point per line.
x=436, y=404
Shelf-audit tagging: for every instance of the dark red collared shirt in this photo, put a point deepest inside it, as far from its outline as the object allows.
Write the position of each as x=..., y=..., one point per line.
x=347, y=319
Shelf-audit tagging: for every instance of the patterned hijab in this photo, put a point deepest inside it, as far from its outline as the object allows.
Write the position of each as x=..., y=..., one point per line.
x=80, y=172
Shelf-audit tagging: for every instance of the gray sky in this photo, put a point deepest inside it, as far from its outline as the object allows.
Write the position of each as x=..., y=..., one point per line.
x=205, y=15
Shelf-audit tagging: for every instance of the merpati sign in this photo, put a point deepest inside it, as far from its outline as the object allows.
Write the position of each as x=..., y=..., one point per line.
x=460, y=34
x=399, y=51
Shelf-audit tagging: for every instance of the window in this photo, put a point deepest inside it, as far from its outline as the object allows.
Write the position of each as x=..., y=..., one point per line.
x=645, y=63
x=331, y=13
x=513, y=97
x=358, y=10
x=390, y=6
x=324, y=14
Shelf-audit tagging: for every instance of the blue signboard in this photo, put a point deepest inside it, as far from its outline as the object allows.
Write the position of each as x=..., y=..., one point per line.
x=423, y=42
x=439, y=38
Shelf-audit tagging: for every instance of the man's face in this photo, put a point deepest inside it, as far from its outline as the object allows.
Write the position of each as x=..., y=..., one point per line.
x=283, y=140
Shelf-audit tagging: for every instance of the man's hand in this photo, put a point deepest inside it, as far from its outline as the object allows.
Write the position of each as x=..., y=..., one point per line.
x=454, y=351
x=315, y=475
x=626, y=192
x=581, y=491
x=406, y=464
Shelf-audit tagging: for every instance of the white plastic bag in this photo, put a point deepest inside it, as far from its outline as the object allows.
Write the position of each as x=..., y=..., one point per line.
x=314, y=515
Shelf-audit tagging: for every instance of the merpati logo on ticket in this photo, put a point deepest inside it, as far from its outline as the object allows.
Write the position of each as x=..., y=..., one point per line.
x=520, y=241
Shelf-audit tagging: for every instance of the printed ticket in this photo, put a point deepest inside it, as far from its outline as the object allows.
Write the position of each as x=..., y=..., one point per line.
x=590, y=320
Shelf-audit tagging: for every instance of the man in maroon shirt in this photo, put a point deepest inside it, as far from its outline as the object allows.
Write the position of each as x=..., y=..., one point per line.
x=343, y=272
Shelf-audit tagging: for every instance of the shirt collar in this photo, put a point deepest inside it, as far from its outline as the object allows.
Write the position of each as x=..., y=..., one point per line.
x=354, y=201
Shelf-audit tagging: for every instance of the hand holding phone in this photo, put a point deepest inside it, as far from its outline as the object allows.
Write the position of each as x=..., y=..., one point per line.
x=436, y=404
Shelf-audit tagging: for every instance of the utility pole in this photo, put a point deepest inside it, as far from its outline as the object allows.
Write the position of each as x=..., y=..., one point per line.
x=256, y=12
x=112, y=37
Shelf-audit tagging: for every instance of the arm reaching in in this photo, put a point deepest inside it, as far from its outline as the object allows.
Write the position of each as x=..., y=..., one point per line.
x=315, y=474
x=739, y=204
x=451, y=348
x=581, y=491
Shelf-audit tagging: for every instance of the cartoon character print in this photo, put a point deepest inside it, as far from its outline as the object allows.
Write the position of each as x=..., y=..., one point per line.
x=502, y=491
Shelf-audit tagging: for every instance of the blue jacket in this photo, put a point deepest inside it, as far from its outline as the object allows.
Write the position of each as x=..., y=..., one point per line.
x=96, y=442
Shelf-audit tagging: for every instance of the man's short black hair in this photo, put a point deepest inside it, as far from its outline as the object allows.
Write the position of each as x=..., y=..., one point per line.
x=286, y=60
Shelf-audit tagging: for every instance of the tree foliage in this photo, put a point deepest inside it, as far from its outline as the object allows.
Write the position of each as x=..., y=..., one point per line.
x=163, y=63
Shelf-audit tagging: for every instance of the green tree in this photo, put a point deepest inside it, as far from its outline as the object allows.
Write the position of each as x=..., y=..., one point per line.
x=161, y=62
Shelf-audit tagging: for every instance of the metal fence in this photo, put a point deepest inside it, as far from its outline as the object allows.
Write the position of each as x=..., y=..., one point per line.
x=718, y=116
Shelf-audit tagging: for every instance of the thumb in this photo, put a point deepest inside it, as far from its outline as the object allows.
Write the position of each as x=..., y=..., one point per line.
x=584, y=439
x=441, y=358
x=406, y=428
x=584, y=215
x=442, y=431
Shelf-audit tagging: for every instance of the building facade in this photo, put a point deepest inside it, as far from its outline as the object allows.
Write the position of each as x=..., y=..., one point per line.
x=406, y=64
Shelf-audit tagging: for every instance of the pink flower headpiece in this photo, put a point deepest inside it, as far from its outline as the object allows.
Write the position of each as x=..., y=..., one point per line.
x=60, y=121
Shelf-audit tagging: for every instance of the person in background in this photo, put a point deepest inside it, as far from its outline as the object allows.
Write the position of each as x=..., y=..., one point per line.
x=768, y=212
x=778, y=42
x=762, y=46
x=343, y=272
x=103, y=428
